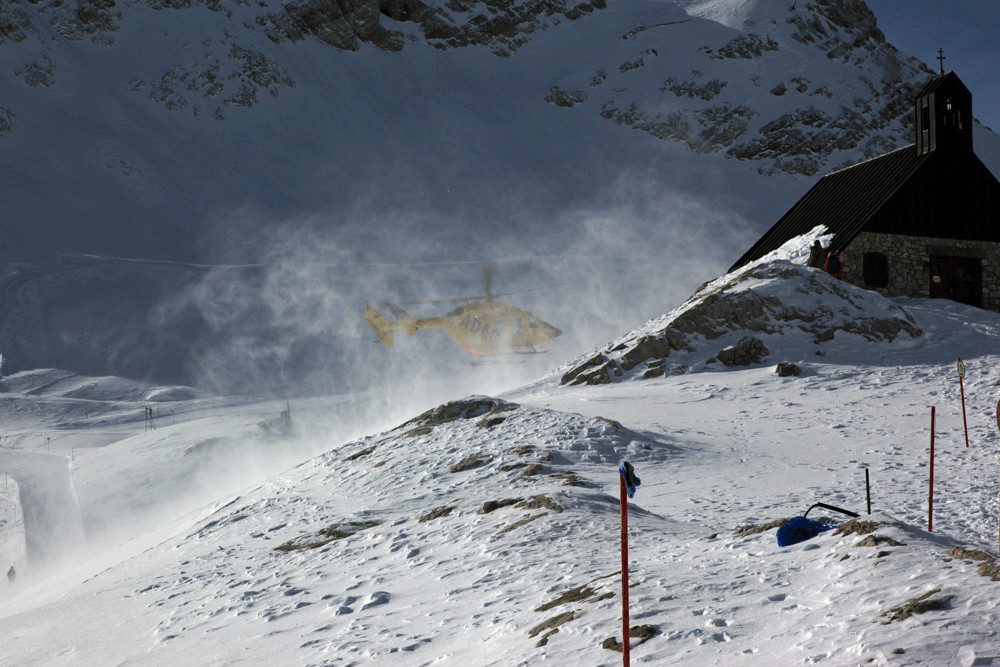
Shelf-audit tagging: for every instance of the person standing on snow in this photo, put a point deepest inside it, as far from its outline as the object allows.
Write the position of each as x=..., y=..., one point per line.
x=834, y=266
x=816, y=255
x=11, y=574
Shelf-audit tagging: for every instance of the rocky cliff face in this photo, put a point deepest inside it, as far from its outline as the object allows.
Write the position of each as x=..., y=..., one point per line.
x=735, y=97
x=727, y=92
x=502, y=25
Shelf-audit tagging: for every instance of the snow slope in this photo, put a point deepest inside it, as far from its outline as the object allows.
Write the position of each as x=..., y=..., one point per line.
x=470, y=533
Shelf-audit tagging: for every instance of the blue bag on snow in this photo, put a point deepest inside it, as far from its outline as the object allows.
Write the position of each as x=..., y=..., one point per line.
x=799, y=529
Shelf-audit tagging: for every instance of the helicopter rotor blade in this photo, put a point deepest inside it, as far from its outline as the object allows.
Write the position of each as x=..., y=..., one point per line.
x=475, y=297
x=487, y=294
x=488, y=282
x=434, y=302
x=531, y=289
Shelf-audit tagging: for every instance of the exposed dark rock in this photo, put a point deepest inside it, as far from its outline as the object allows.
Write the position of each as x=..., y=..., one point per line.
x=858, y=527
x=469, y=408
x=754, y=529
x=747, y=46
x=490, y=422
x=748, y=351
x=503, y=25
x=38, y=75
x=694, y=90
x=15, y=22
x=359, y=454
x=97, y=16
x=552, y=625
x=965, y=553
x=436, y=514
x=6, y=121
x=585, y=373
x=540, y=502
x=787, y=369
x=989, y=569
x=493, y=505
x=578, y=594
x=654, y=372
x=647, y=347
x=643, y=632
x=917, y=605
x=331, y=533
x=469, y=462
x=523, y=522
x=342, y=24
x=875, y=540
x=569, y=478
x=988, y=566
x=565, y=98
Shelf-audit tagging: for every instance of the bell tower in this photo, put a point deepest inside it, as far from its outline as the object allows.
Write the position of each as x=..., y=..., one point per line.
x=944, y=114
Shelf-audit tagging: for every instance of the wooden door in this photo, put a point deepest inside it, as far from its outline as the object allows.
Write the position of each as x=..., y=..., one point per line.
x=957, y=278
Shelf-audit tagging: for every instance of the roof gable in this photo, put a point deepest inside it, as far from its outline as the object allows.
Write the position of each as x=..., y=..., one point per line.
x=949, y=81
x=843, y=201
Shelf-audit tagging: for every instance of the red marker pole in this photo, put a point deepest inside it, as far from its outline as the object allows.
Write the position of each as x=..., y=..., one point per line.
x=930, y=494
x=624, y=513
x=961, y=388
x=998, y=496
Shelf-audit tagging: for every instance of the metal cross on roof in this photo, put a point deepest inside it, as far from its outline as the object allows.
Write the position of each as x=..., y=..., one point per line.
x=941, y=60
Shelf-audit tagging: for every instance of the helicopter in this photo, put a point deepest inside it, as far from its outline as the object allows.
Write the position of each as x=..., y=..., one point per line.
x=482, y=325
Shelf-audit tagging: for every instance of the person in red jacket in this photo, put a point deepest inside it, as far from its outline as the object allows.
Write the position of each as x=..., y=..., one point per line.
x=833, y=265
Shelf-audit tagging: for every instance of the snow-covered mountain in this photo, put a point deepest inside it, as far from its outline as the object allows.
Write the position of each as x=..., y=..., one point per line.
x=369, y=146
x=485, y=531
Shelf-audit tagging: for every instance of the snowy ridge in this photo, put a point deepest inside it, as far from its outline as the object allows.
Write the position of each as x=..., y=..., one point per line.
x=735, y=320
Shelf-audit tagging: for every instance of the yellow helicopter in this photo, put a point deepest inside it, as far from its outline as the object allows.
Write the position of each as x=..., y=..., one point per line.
x=483, y=326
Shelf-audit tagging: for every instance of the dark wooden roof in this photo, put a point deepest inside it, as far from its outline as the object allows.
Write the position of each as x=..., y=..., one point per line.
x=946, y=81
x=843, y=201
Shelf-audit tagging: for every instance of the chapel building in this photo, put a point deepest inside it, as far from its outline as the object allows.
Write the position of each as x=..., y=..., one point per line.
x=920, y=221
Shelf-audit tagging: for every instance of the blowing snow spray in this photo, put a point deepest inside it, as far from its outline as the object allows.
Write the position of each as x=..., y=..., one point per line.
x=628, y=482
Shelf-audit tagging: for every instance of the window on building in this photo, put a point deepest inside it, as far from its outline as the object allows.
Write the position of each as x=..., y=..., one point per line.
x=875, y=266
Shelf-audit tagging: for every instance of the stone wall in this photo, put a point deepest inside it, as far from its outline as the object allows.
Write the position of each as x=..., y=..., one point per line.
x=909, y=263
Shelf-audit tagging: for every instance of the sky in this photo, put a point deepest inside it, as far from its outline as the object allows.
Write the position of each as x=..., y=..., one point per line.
x=967, y=30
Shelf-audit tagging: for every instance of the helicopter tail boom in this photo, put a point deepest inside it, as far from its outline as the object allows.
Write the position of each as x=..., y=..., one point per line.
x=382, y=327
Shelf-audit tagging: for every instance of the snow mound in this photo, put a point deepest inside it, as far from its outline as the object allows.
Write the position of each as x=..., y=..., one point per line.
x=730, y=13
x=748, y=317
x=177, y=393
x=478, y=480
x=58, y=383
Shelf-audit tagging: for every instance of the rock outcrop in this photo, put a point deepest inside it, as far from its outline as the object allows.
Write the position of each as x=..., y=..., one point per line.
x=737, y=320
